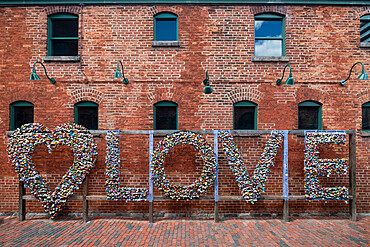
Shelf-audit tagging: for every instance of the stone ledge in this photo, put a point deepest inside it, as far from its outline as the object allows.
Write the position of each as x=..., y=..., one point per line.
x=166, y=43
x=270, y=59
x=364, y=45
x=61, y=59
x=365, y=133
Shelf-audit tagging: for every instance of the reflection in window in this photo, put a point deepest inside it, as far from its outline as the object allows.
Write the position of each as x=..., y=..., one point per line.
x=245, y=115
x=165, y=116
x=21, y=112
x=366, y=116
x=165, y=27
x=87, y=114
x=63, y=35
x=365, y=28
x=309, y=115
x=269, y=35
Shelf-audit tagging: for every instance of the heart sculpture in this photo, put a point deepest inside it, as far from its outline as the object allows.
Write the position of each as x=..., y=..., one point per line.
x=21, y=146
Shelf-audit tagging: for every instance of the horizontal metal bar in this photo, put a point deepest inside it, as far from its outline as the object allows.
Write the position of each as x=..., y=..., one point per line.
x=246, y=133
x=203, y=198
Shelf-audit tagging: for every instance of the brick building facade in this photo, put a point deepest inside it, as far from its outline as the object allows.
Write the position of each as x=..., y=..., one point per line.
x=320, y=41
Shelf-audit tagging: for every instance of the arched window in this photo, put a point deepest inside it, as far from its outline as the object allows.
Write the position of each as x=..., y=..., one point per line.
x=87, y=114
x=63, y=35
x=165, y=115
x=165, y=27
x=269, y=35
x=366, y=116
x=309, y=115
x=245, y=115
x=365, y=28
x=21, y=112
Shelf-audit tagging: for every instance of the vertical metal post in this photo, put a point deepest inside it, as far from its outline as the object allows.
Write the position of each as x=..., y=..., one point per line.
x=22, y=202
x=352, y=176
x=85, y=202
x=150, y=197
x=215, y=148
x=285, y=177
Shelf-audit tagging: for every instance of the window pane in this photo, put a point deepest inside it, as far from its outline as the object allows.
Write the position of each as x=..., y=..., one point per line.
x=244, y=117
x=22, y=115
x=165, y=117
x=366, y=118
x=308, y=117
x=267, y=28
x=166, y=30
x=88, y=117
x=268, y=48
x=64, y=28
x=365, y=31
x=64, y=48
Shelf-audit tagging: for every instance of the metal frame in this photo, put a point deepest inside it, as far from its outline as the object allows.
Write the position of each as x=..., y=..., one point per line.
x=216, y=198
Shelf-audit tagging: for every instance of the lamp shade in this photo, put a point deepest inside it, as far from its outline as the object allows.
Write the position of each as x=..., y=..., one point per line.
x=363, y=76
x=34, y=76
x=289, y=81
x=118, y=74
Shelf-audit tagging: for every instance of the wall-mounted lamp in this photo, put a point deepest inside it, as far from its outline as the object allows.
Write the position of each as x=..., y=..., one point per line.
x=207, y=89
x=118, y=73
x=363, y=75
x=34, y=76
x=290, y=80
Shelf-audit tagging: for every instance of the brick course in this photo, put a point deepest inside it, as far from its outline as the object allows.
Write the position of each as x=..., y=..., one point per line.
x=322, y=43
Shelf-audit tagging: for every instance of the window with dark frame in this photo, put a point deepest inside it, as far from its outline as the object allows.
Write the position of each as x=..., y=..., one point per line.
x=165, y=116
x=309, y=115
x=63, y=35
x=87, y=114
x=269, y=35
x=245, y=115
x=165, y=27
x=366, y=116
x=21, y=112
x=365, y=28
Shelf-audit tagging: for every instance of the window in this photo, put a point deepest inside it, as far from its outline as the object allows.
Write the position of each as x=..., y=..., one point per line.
x=165, y=116
x=366, y=116
x=165, y=27
x=269, y=35
x=245, y=115
x=309, y=115
x=86, y=114
x=21, y=112
x=63, y=35
x=365, y=28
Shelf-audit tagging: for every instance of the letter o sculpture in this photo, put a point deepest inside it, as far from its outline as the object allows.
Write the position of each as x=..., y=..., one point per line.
x=178, y=192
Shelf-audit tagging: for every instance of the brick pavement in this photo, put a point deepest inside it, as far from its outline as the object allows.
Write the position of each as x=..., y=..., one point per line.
x=118, y=231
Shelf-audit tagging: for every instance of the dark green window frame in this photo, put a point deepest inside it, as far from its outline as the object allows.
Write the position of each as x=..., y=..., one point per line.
x=365, y=116
x=315, y=104
x=165, y=15
x=271, y=17
x=365, y=28
x=164, y=104
x=82, y=104
x=241, y=104
x=12, y=111
x=60, y=16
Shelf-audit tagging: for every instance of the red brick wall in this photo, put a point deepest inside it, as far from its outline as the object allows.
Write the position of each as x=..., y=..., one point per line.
x=321, y=43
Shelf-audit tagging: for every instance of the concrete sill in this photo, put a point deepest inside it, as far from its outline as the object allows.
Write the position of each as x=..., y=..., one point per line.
x=166, y=43
x=365, y=133
x=270, y=59
x=364, y=45
x=61, y=59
